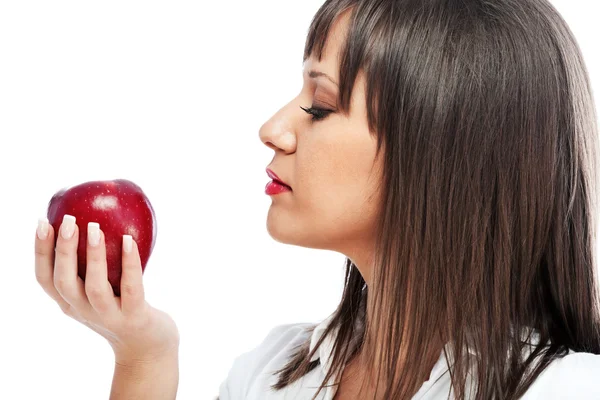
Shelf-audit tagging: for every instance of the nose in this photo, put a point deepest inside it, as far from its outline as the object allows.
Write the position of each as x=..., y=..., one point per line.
x=278, y=133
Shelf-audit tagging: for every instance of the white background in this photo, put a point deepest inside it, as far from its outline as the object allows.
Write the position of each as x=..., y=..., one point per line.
x=170, y=95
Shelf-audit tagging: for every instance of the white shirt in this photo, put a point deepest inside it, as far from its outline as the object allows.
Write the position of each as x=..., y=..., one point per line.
x=575, y=376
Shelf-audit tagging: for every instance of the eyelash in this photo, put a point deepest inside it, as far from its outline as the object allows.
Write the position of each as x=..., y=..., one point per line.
x=317, y=113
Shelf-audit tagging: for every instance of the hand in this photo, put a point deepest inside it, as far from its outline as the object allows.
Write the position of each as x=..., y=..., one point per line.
x=136, y=331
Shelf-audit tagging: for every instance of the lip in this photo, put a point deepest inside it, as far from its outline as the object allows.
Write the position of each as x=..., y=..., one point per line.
x=276, y=178
x=274, y=188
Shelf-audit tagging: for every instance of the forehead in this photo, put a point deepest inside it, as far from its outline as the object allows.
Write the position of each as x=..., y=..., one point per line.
x=333, y=46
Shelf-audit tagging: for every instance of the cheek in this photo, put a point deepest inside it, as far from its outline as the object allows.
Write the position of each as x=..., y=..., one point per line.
x=338, y=160
x=336, y=193
x=323, y=173
x=340, y=216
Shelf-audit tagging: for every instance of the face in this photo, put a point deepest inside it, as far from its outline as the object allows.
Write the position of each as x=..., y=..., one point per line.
x=329, y=163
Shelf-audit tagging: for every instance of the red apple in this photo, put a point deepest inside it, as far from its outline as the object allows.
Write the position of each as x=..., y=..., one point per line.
x=120, y=207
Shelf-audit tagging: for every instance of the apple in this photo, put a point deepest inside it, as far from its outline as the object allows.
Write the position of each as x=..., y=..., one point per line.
x=120, y=207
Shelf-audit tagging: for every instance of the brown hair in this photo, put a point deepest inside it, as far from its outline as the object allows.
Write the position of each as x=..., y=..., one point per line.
x=485, y=116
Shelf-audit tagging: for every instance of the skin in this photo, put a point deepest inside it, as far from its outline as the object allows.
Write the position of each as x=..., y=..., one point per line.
x=135, y=330
x=330, y=165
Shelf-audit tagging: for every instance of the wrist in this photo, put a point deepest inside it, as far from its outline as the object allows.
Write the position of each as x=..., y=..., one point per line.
x=131, y=361
x=146, y=378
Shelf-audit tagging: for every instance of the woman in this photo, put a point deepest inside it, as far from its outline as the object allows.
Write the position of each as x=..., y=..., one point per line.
x=449, y=149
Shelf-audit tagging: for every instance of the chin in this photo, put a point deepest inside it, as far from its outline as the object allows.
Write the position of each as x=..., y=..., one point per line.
x=290, y=232
x=280, y=229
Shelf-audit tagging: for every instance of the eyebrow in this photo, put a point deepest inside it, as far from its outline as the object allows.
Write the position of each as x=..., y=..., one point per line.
x=314, y=74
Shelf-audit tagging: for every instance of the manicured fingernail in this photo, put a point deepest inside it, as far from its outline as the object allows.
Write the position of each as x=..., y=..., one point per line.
x=93, y=233
x=127, y=243
x=67, y=228
x=42, y=229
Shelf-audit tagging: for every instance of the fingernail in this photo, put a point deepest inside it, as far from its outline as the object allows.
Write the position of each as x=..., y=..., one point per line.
x=42, y=229
x=93, y=233
x=67, y=228
x=127, y=243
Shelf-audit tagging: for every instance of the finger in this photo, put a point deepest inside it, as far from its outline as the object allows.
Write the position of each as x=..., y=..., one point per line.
x=44, y=257
x=44, y=254
x=132, y=287
x=68, y=284
x=97, y=288
x=44, y=263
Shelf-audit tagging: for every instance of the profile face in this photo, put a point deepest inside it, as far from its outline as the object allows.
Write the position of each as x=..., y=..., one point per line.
x=328, y=160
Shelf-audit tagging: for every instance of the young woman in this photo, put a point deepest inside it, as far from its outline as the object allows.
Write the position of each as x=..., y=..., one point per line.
x=449, y=149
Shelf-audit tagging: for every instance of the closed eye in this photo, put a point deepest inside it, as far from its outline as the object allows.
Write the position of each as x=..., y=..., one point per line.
x=317, y=113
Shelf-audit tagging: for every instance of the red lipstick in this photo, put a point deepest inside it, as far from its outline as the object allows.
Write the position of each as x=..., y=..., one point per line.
x=276, y=186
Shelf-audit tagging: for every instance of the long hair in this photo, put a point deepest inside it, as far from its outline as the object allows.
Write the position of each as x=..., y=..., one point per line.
x=485, y=117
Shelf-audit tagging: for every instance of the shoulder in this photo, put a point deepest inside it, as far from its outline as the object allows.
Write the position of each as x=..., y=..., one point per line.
x=279, y=341
x=576, y=375
x=263, y=359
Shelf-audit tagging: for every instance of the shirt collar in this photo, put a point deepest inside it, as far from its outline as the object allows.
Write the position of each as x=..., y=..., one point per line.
x=325, y=349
